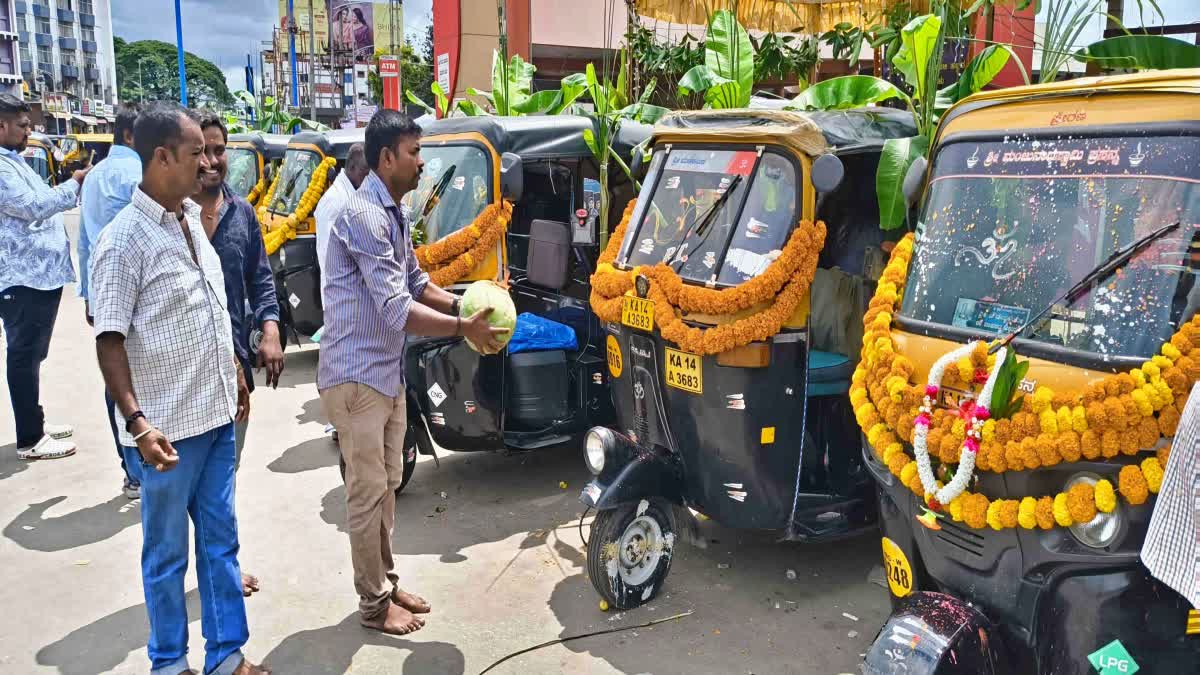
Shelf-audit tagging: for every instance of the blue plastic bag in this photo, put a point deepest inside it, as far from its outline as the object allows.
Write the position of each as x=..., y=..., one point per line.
x=536, y=334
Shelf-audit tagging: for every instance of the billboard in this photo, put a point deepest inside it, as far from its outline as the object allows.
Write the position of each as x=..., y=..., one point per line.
x=359, y=27
x=300, y=13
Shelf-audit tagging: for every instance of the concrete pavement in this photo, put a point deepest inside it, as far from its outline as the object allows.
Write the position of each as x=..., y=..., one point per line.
x=502, y=562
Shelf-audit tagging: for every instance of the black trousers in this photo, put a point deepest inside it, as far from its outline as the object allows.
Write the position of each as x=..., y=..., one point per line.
x=28, y=315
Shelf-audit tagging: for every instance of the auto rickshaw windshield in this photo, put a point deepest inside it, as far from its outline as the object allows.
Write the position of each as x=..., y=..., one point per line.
x=243, y=169
x=742, y=238
x=468, y=191
x=1011, y=223
x=38, y=159
x=297, y=170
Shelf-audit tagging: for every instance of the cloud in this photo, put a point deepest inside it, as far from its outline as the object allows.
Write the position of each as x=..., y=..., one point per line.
x=223, y=31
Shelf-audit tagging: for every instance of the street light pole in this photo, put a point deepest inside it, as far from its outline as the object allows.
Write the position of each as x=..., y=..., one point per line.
x=179, y=50
x=292, y=53
x=312, y=60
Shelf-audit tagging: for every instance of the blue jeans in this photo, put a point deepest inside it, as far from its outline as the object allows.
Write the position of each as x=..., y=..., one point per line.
x=110, y=408
x=200, y=485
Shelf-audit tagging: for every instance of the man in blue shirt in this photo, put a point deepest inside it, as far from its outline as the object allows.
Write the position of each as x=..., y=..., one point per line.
x=35, y=263
x=108, y=189
x=233, y=229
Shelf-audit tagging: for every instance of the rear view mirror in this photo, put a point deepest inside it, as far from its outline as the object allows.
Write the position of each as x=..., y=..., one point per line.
x=827, y=173
x=512, y=177
x=914, y=180
x=635, y=163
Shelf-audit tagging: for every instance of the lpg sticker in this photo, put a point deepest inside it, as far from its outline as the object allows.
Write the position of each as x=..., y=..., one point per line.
x=1113, y=659
x=735, y=401
x=899, y=573
x=616, y=363
x=436, y=395
x=438, y=419
x=735, y=492
x=294, y=300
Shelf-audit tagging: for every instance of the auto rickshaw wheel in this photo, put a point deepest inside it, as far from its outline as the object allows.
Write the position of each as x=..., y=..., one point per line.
x=630, y=552
x=410, y=459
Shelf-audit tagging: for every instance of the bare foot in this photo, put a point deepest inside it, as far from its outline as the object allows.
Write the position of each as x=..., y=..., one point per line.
x=413, y=603
x=247, y=668
x=397, y=621
x=249, y=584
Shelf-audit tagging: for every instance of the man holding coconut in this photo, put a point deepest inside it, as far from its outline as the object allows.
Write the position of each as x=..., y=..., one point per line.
x=375, y=293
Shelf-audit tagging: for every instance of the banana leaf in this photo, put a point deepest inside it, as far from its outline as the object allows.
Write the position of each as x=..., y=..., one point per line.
x=729, y=54
x=1141, y=52
x=918, y=41
x=841, y=93
x=898, y=154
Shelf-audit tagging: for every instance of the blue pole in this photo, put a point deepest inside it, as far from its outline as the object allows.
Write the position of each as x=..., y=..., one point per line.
x=183, y=97
x=250, y=85
x=292, y=53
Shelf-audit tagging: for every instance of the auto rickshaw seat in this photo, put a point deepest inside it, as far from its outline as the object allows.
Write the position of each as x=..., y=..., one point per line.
x=828, y=373
x=548, y=261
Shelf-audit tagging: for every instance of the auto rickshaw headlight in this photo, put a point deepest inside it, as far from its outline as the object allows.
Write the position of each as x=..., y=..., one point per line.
x=595, y=446
x=1102, y=530
x=282, y=257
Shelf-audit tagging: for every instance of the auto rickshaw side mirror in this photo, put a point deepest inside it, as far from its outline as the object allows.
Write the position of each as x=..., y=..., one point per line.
x=914, y=180
x=827, y=173
x=512, y=176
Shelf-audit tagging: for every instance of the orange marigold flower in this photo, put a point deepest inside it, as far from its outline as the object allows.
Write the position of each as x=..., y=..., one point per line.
x=975, y=508
x=1013, y=456
x=1044, y=513
x=1081, y=502
x=1163, y=454
x=1128, y=442
x=1110, y=444
x=1089, y=444
x=897, y=463
x=1009, y=510
x=1114, y=413
x=1147, y=433
x=1068, y=446
x=1132, y=485
x=1047, y=450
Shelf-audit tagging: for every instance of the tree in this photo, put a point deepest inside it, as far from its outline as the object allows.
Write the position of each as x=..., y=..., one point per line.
x=158, y=78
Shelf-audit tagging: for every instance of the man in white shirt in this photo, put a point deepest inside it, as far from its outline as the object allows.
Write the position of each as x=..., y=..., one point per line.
x=335, y=198
x=165, y=346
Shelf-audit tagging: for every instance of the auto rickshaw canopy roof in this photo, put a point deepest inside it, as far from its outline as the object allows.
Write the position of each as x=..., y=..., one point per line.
x=270, y=146
x=776, y=16
x=94, y=138
x=537, y=136
x=41, y=140
x=811, y=133
x=334, y=143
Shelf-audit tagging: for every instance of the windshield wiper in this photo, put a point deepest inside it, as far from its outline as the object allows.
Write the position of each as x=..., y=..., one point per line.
x=1118, y=258
x=701, y=225
x=435, y=195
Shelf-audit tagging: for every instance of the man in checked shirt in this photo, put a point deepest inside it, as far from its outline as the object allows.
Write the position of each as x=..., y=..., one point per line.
x=375, y=294
x=165, y=346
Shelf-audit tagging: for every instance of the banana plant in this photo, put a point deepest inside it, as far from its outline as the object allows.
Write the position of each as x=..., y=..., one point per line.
x=445, y=103
x=512, y=85
x=269, y=114
x=1140, y=52
x=727, y=75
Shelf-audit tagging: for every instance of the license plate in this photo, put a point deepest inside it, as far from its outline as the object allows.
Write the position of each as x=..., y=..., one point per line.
x=638, y=313
x=684, y=371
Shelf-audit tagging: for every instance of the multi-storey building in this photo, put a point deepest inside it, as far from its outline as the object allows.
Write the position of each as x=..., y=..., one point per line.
x=10, y=65
x=66, y=56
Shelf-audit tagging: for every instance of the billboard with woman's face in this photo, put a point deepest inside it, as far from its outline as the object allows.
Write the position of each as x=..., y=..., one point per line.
x=355, y=25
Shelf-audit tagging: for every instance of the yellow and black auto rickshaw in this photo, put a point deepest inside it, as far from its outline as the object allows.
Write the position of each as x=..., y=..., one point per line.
x=253, y=159
x=1026, y=357
x=83, y=149
x=40, y=155
x=729, y=297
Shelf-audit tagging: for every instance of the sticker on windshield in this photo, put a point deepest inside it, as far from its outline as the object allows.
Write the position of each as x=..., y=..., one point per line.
x=992, y=317
x=647, y=247
x=742, y=163
x=670, y=252
x=710, y=259
x=702, y=161
x=672, y=183
x=746, y=262
x=459, y=183
x=756, y=227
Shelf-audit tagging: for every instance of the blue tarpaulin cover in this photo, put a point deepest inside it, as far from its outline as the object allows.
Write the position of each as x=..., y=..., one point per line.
x=537, y=334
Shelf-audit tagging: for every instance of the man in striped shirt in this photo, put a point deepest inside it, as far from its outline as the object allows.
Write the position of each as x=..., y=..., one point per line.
x=375, y=293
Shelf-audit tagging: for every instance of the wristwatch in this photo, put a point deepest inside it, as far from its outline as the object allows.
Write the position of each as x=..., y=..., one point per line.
x=454, y=304
x=129, y=420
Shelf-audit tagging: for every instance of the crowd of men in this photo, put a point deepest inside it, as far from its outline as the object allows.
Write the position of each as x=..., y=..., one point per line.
x=175, y=278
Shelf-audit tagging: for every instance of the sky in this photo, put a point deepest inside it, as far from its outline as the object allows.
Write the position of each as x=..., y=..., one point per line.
x=224, y=31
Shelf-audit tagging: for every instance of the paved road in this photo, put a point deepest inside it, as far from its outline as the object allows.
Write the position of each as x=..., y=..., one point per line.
x=502, y=564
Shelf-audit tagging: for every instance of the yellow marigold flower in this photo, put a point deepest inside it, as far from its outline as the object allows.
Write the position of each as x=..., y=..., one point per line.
x=1026, y=517
x=959, y=429
x=1064, y=418
x=1151, y=370
x=884, y=345
x=966, y=369
x=1153, y=472
x=908, y=472
x=895, y=387
x=1079, y=419
x=891, y=450
x=1164, y=392
x=1139, y=377
x=904, y=246
x=1132, y=485
x=993, y=515
x=1048, y=421
x=875, y=432
x=1143, y=402
x=859, y=375
x=884, y=321
x=1044, y=513
x=1171, y=352
x=1081, y=503
x=1106, y=497
x=1062, y=515
x=956, y=509
x=1042, y=398
x=1161, y=361
x=858, y=396
x=988, y=432
x=886, y=287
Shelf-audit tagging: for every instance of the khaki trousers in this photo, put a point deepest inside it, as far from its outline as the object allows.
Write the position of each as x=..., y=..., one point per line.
x=371, y=430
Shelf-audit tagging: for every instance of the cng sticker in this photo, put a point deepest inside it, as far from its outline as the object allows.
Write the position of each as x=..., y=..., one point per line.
x=615, y=365
x=1113, y=659
x=899, y=573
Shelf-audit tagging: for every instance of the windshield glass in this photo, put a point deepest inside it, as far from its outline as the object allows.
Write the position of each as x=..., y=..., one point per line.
x=298, y=166
x=1011, y=224
x=36, y=157
x=243, y=169
x=689, y=182
x=467, y=193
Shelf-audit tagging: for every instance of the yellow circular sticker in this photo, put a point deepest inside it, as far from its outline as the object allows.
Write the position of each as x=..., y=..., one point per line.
x=899, y=573
x=615, y=365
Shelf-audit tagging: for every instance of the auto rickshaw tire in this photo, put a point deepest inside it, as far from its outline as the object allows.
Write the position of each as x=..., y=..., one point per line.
x=613, y=526
x=410, y=461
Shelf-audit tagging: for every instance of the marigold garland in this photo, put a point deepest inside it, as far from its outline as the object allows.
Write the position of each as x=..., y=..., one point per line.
x=1121, y=414
x=273, y=239
x=256, y=191
x=783, y=284
x=454, y=257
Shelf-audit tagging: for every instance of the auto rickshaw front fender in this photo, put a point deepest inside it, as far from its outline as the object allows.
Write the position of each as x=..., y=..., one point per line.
x=650, y=472
x=935, y=633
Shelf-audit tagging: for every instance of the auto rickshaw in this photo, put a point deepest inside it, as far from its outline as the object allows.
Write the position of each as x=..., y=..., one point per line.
x=1059, y=223
x=309, y=166
x=546, y=250
x=83, y=149
x=253, y=159
x=40, y=155
x=729, y=300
